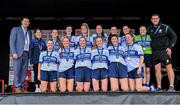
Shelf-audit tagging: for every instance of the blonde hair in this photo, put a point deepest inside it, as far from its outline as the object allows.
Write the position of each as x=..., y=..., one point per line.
x=95, y=44
x=86, y=25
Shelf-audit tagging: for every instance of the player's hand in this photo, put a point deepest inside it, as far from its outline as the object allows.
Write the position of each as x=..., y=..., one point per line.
x=15, y=56
x=139, y=71
x=39, y=77
x=169, y=51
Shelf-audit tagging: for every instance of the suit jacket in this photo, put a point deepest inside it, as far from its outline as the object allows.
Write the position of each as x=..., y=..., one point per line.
x=17, y=40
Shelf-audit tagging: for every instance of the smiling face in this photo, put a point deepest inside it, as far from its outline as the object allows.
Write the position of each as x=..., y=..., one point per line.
x=155, y=20
x=68, y=30
x=126, y=30
x=113, y=30
x=38, y=33
x=142, y=30
x=84, y=30
x=99, y=42
x=49, y=45
x=66, y=42
x=82, y=42
x=25, y=22
x=99, y=29
x=54, y=33
x=129, y=39
x=114, y=40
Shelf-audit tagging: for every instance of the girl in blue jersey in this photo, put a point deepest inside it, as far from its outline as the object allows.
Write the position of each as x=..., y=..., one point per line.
x=36, y=46
x=56, y=40
x=100, y=32
x=66, y=70
x=83, y=66
x=99, y=73
x=118, y=73
x=85, y=33
x=48, y=65
x=70, y=36
x=134, y=59
x=113, y=31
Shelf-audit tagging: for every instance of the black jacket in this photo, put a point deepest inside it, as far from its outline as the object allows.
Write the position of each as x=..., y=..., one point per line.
x=162, y=37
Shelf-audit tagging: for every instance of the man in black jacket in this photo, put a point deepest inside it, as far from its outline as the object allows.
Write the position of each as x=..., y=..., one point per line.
x=163, y=40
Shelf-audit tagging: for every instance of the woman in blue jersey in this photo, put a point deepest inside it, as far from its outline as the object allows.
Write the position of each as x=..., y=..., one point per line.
x=134, y=59
x=66, y=70
x=125, y=30
x=56, y=40
x=47, y=69
x=84, y=28
x=36, y=46
x=113, y=31
x=100, y=32
x=99, y=71
x=118, y=73
x=70, y=36
x=83, y=66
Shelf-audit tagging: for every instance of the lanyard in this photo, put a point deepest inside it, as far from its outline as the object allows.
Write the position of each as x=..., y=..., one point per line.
x=49, y=56
x=143, y=40
x=82, y=53
x=100, y=54
x=39, y=44
x=117, y=50
x=129, y=48
x=67, y=54
x=157, y=29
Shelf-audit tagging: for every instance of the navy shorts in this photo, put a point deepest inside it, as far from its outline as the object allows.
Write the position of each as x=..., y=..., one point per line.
x=148, y=60
x=99, y=74
x=49, y=76
x=117, y=70
x=68, y=74
x=133, y=74
x=161, y=56
x=83, y=74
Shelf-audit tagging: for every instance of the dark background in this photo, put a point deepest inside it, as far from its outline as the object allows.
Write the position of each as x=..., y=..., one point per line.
x=49, y=14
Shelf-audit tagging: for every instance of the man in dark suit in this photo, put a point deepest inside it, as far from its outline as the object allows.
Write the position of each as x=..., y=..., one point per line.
x=20, y=38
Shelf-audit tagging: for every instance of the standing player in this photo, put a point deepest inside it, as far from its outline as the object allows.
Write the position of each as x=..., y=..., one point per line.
x=118, y=73
x=99, y=71
x=66, y=67
x=134, y=59
x=56, y=40
x=83, y=66
x=48, y=65
x=99, y=32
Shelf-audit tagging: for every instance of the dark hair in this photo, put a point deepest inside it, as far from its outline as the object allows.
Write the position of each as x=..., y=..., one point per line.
x=50, y=40
x=102, y=34
x=155, y=14
x=113, y=35
x=69, y=26
x=24, y=18
x=36, y=31
x=58, y=39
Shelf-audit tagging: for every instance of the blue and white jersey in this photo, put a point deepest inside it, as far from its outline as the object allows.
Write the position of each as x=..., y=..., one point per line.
x=83, y=57
x=117, y=54
x=132, y=56
x=122, y=41
x=72, y=40
x=56, y=45
x=99, y=58
x=105, y=39
x=88, y=41
x=49, y=60
x=66, y=59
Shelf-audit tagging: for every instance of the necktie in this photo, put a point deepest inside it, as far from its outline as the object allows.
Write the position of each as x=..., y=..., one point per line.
x=26, y=40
